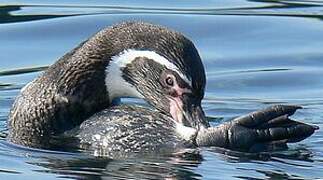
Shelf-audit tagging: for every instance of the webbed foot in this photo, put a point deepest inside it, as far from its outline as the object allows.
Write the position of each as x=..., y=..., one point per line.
x=264, y=129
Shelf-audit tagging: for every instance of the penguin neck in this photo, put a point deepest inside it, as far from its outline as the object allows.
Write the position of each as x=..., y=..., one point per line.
x=117, y=86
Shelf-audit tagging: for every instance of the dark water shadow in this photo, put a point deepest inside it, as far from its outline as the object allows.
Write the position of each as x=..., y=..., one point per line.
x=297, y=154
x=9, y=171
x=291, y=3
x=299, y=157
x=18, y=71
x=267, y=8
x=22, y=70
x=7, y=17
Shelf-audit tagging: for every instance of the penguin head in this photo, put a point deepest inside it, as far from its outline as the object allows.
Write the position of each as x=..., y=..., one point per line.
x=159, y=65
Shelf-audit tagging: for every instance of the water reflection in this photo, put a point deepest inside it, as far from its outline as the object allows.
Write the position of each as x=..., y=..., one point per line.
x=178, y=166
x=6, y=15
x=31, y=12
x=22, y=70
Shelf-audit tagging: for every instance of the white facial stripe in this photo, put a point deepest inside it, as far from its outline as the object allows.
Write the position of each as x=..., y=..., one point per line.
x=127, y=56
x=116, y=85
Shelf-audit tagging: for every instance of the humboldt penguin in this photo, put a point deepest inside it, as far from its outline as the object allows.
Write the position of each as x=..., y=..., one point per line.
x=75, y=97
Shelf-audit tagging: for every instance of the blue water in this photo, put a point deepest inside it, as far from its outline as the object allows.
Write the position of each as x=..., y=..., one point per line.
x=256, y=53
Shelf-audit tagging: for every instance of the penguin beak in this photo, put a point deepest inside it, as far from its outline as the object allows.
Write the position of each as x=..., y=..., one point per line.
x=193, y=113
x=187, y=110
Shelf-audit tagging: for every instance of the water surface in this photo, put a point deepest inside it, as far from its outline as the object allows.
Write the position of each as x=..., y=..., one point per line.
x=256, y=53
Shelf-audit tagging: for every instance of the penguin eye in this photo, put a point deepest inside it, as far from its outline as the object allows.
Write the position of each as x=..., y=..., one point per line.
x=169, y=81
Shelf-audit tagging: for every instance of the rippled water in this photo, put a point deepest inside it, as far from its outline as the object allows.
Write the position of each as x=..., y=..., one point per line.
x=256, y=53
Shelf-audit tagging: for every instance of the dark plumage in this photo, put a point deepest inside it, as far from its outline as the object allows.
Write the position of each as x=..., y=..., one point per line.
x=73, y=88
x=73, y=99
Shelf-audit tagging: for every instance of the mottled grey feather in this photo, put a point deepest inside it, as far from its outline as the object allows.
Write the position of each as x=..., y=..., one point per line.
x=124, y=130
